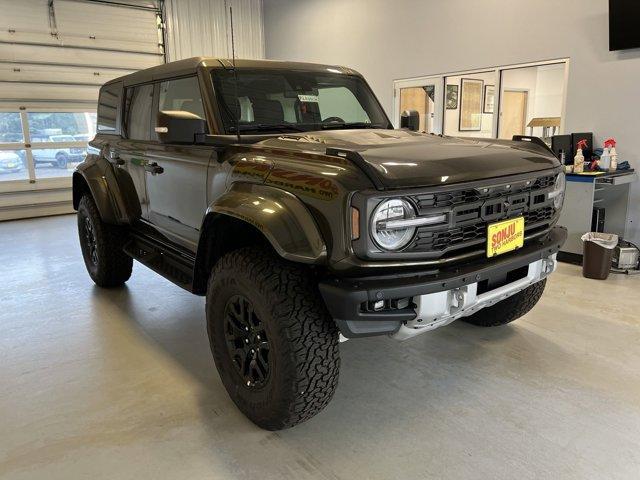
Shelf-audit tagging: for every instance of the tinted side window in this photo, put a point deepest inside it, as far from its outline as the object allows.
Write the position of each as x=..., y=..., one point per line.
x=137, y=121
x=108, y=102
x=181, y=94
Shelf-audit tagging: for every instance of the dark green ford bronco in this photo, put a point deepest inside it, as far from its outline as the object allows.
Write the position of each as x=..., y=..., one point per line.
x=282, y=192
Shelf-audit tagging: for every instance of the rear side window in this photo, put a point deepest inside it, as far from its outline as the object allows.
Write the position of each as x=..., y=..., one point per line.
x=138, y=106
x=181, y=94
x=108, y=102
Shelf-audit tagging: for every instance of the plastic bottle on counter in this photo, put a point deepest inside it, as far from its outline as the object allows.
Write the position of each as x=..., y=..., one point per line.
x=610, y=143
x=605, y=159
x=578, y=160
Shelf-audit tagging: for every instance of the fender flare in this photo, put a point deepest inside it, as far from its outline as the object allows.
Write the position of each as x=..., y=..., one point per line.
x=281, y=217
x=112, y=190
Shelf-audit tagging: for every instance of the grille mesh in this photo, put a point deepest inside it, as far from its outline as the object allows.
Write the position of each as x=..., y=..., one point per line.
x=483, y=207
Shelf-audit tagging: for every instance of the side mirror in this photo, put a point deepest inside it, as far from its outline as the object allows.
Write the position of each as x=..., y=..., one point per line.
x=410, y=119
x=179, y=126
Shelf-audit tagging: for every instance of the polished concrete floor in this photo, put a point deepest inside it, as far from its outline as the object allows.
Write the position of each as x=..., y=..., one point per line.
x=119, y=384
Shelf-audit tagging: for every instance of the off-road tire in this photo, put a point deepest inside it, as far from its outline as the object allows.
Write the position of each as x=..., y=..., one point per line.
x=110, y=266
x=304, y=360
x=509, y=309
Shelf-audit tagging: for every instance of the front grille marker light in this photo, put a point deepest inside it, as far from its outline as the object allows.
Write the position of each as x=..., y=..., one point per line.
x=355, y=223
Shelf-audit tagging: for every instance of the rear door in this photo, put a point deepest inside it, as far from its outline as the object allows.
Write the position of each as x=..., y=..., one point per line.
x=177, y=174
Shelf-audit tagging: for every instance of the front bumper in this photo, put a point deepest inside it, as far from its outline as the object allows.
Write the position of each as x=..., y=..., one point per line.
x=438, y=298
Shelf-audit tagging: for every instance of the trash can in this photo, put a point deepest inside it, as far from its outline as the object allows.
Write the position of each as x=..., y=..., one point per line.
x=597, y=249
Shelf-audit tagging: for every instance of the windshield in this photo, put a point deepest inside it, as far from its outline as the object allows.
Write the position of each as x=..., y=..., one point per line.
x=282, y=100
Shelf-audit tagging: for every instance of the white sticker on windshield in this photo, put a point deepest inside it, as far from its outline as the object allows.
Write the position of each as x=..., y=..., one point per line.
x=308, y=98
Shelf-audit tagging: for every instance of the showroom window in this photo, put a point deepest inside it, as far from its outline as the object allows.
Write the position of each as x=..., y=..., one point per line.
x=469, y=104
x=500, y=102
x=531, y=100
x=13, y=164
x=41, y=145
x=55, y=139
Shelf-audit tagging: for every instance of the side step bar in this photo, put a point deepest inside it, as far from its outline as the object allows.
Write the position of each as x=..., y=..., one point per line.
x=169, y=261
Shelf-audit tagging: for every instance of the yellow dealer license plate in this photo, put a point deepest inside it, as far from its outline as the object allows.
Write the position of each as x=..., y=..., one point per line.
x=503, y=237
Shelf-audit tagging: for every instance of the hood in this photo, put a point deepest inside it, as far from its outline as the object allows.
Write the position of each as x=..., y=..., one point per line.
x=404, y=159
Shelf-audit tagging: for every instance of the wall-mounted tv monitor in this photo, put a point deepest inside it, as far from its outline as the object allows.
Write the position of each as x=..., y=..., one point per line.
x=624, y=18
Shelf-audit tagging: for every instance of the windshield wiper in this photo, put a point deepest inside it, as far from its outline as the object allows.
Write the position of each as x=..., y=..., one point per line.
x=326, y=126
x=269, y=126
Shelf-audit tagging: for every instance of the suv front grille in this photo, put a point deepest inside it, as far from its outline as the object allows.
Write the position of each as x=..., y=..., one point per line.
x=471, y=210
x=445, y=199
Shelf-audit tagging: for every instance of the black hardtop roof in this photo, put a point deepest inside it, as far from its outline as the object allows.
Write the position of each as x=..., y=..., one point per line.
x=190, y=65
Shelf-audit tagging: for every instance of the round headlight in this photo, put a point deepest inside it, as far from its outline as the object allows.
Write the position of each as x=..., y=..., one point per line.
x=386, y=224
x=558, y=190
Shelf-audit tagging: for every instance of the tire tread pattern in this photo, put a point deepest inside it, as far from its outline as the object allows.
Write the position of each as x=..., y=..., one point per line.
x=509, y=309
x=311, y=348
x=114, y=265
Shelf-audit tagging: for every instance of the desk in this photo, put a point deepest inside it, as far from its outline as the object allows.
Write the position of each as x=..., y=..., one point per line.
x=583, y=193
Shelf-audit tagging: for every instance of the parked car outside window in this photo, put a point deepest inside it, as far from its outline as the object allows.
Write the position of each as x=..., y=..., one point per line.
x=58, y=156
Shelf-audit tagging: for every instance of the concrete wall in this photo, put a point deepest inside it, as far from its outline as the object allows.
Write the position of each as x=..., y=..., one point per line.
x=387, y=40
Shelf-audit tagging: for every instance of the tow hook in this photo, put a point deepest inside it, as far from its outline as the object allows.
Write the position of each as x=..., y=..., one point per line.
x=548, y=265
x=457, y=299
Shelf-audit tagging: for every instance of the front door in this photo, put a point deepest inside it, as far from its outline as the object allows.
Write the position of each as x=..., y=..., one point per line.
x=177, y=174
x=513, y=114
x=130, y=152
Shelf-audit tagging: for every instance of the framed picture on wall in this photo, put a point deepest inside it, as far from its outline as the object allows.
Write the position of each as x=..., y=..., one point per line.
x=489, y=98
x=452, y=97
x=470, y=119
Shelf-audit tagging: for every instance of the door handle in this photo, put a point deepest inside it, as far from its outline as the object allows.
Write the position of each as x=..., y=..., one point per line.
x=153, y=168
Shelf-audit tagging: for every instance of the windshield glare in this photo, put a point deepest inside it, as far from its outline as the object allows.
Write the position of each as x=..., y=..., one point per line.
x=281, y=100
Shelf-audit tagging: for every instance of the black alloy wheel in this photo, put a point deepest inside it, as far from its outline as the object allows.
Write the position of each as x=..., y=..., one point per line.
x=102, y=246
x=273, y=341
x=90, y=239
x=247, y=342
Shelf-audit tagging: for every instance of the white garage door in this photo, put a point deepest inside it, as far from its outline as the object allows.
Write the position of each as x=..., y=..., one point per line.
x=65, y=49
x=54, y=55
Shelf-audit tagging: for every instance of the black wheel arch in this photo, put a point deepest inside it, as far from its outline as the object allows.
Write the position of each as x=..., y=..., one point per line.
x=112, y=190
x=257, y=215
